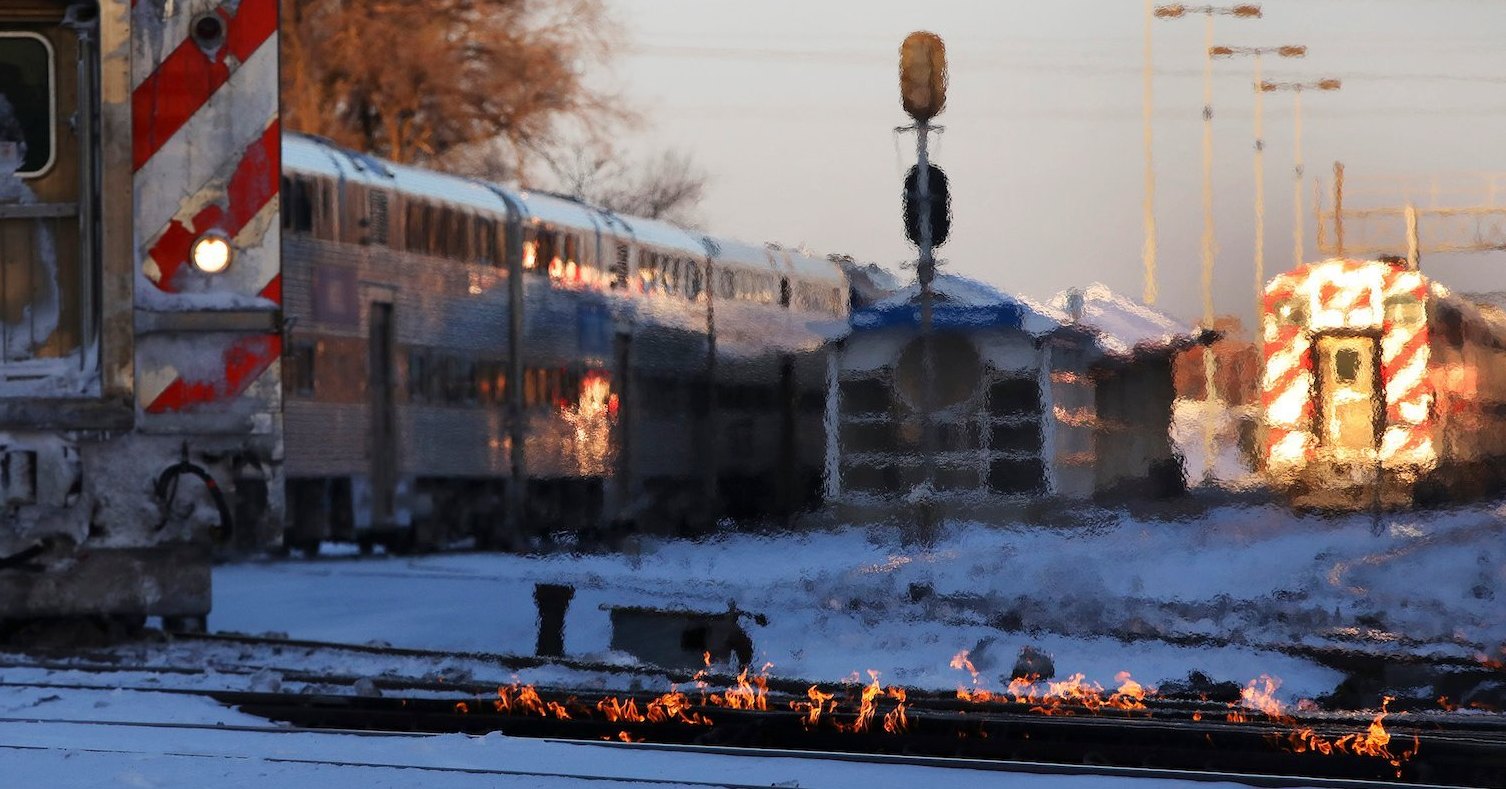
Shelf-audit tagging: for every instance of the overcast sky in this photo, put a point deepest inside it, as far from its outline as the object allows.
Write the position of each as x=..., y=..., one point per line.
x=791, y=106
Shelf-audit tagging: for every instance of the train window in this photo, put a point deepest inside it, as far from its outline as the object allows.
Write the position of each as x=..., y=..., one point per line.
x=1404, y=308
x=572, y=249
x=297, y=208
x=648, y=270
x=672, y=277
x=27, y=99
x=692, y=280
x=413, y=232
x=547, y=249
x=1346, y=365
x=1291, y=312
x=326, y=222
x=619, y=269
x=725, y=285
x=418, y=375
x=376, y=217
x=298, y=369
x=784, y=292
x=480, y=249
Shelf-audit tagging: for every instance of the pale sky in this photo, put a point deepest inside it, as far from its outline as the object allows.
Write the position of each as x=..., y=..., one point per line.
x=791, y=106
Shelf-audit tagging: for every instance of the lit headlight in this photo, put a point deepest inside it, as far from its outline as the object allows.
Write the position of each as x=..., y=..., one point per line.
x=211, y=253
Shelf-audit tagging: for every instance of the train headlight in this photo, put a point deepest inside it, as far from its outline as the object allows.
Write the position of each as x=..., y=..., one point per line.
x=211, y=254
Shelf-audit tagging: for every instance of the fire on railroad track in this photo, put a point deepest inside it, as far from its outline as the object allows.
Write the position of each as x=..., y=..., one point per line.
x=1061, y=722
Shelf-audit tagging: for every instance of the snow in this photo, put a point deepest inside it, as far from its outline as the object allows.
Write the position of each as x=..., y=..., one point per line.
x=1122, y=323
x=1247, y=580
x=1252, y=580
x=974, y=301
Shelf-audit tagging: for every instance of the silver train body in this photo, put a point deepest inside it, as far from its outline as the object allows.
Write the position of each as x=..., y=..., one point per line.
x=467, y=359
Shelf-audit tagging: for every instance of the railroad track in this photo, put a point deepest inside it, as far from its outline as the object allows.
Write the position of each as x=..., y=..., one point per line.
x=1166, y=737
x=1165, y=734
x=793, y=759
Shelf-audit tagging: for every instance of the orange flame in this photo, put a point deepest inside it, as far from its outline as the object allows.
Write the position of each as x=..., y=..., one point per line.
x=748, y=695
x=895, y=720
x=866, y=706
x=819, y=704
x=1057, y=698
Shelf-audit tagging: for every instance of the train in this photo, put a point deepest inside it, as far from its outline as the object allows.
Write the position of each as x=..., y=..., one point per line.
x=219, y=337
x=451, y=338
x=1381, y=387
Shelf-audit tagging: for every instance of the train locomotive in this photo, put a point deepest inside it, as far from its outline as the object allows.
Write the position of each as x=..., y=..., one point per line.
x=1381, y=387
x=140, y=302
x=465, y=357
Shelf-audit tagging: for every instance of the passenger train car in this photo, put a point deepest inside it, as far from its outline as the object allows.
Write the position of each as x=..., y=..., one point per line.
x=140, y=301
x=465, y=358
x=1381, y=387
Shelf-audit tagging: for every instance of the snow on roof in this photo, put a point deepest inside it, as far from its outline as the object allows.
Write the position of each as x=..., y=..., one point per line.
x=806, y=266
x=557, y=211
x=664, y=235
x=318, y=157
x=447, y=188
x=731, y=251
x=1122, y=324
x=961, y=302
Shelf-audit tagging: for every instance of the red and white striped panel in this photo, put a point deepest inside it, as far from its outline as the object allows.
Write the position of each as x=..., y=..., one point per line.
x=1286, y=383
x=1346, y=295
x=206, y=150
x=1405, y=352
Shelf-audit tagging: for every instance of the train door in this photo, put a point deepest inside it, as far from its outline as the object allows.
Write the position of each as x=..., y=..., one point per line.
x=47, y=160
x=379, y=386
x=1349, y=393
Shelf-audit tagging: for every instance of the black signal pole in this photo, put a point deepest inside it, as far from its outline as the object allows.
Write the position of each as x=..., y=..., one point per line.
x=925, y=273
x=922, y=86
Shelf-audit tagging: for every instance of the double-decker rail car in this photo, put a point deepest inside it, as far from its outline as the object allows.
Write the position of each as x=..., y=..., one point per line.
x=140, y=301
x=465, y=358
x=1381, y=387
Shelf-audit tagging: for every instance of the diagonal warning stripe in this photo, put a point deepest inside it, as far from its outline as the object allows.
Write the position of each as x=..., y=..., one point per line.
x=251, y=186
x=187, y=77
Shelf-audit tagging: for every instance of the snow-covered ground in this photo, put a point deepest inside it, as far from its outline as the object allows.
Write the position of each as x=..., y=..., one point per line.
x=1223, y=594
x=113, y=738
x=1098, y=598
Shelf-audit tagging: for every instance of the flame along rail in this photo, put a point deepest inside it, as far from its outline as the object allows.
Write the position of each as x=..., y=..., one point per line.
x=1462, y=753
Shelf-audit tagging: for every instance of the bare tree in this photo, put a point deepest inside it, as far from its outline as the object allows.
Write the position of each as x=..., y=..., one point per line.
x=440, y=80
x=667, y=186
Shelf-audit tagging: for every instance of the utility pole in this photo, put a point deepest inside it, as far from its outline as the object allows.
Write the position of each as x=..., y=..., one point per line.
x=1257, y=53
x=1297, y=89
x=1209, y=237
x=1148, y=254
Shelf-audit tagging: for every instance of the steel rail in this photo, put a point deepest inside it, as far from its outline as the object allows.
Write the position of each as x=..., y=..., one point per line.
x=1034, y=768
x=895, y=760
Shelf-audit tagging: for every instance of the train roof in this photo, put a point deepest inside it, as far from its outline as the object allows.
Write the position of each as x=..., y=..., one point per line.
x=320, y=157
x=309, y=154
x=556, y=210
x=664, y=235
x=809, y=267
x=731, y=251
